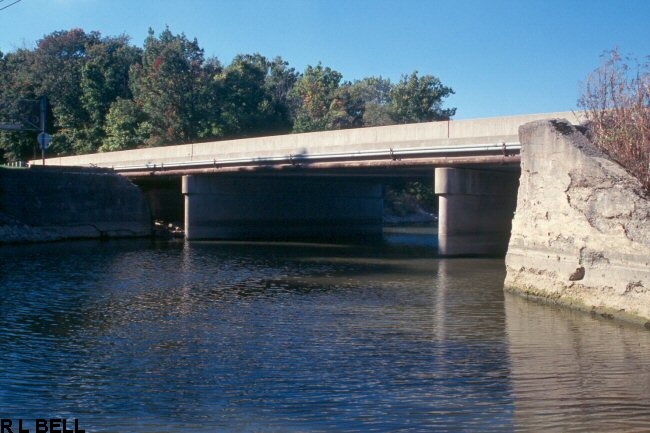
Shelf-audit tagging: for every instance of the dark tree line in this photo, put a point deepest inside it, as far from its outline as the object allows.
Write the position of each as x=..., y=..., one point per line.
x=105, y=94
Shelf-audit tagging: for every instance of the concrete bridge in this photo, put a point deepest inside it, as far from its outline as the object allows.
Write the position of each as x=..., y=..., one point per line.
x=328, y=185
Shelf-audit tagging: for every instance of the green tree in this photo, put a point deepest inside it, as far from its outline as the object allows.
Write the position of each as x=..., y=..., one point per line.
x=58, y=61
x=81, y=74
x=18, y=105
x=126, y=126
x=168, y=86
x=105, y=79
x=245, y=104
x=106, y=94
x=375, y=94
x=254, y=96
x=279, y=82
x=209, y=123
x=419, y=99
x=314, y=95
x=346, y=109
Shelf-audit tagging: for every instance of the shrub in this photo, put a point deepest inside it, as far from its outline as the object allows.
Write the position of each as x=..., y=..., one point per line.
x=616, y=99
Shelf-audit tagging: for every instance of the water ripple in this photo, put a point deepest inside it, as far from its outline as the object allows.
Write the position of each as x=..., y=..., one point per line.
x=149, y=337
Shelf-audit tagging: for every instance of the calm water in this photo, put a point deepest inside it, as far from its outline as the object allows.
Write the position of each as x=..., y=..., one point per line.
x=144, y=336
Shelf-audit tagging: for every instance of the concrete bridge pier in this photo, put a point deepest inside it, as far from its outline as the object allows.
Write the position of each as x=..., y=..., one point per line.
x=281, y=208
x=475, y=211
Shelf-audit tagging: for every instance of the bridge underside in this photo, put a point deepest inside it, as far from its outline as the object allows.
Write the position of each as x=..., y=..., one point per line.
x=475, y=205
x=281, y=208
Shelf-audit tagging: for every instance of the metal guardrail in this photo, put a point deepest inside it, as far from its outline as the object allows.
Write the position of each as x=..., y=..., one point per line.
x=15, y=164
x=394, y=154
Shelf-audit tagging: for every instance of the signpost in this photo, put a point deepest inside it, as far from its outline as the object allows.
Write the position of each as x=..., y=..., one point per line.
x=44, y=139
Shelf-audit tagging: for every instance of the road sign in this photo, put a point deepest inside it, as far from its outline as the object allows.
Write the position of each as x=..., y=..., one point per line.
x=11, y=126
x=44, y=140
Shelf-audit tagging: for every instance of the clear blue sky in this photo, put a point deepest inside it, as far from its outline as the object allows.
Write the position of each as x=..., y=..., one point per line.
x=500, y=57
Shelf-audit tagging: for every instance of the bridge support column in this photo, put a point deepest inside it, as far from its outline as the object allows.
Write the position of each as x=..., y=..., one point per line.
x=278, y=208
x=475, y=211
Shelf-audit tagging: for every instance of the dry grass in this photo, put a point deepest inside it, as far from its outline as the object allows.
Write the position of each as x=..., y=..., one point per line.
x=616, y=99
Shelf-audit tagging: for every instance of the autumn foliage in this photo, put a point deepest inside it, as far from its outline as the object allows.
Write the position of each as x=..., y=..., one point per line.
x=105, y=94
x=616, y=98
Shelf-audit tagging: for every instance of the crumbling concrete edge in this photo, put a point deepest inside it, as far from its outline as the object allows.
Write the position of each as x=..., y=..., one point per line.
x=561, y=170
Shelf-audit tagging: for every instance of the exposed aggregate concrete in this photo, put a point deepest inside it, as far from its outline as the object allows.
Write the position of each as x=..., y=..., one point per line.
x=580, y=235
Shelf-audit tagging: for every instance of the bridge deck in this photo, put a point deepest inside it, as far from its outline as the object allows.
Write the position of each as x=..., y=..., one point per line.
x=423, y=142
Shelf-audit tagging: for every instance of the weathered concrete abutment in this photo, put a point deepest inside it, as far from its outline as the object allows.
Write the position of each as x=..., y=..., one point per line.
x=282, y=208
x=580, y=234
x=475, y=210
x=52, y=203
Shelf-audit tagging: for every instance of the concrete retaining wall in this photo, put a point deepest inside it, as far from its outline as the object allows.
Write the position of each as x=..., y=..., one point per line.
x=580, y=235
x=43, y=204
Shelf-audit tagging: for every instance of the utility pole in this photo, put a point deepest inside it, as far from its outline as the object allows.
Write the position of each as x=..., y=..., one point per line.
x=43, y=109
x=44, y=138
